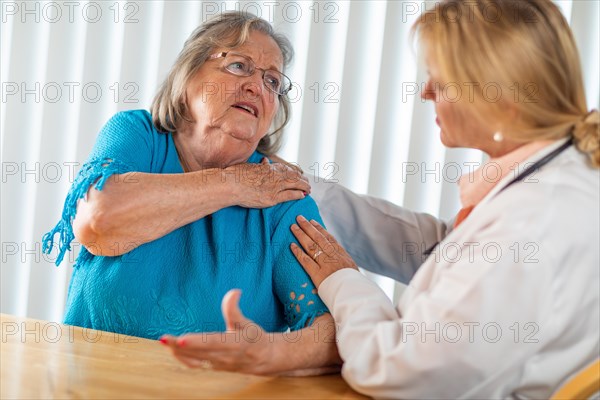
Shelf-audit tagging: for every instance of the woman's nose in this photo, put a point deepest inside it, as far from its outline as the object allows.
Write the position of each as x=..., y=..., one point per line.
x=253, y=85
x=428, y=92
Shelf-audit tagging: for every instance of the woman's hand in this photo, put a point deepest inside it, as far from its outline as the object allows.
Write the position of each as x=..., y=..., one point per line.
x=321, y=255
x=277, y=159
x=244, y=347
x=264, y=185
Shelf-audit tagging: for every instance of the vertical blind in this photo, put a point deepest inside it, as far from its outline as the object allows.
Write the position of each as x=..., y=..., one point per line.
x=357, y=117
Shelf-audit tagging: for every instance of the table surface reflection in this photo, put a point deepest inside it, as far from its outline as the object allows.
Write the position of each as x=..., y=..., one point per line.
x=41, y=359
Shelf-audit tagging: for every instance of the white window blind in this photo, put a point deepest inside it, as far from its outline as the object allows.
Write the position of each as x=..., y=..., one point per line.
x=67, y=67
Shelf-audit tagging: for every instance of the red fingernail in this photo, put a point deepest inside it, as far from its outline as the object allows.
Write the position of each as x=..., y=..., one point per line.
x=181, y=342
x=163, y=340
x=305, y=194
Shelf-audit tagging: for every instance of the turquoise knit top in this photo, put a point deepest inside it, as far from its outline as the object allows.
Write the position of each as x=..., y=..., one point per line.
x=175, y=284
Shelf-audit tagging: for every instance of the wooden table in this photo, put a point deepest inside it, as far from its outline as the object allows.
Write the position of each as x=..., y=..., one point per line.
x=42, y=359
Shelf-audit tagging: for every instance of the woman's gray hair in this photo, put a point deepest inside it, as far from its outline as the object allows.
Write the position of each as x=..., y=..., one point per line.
x=230, y=29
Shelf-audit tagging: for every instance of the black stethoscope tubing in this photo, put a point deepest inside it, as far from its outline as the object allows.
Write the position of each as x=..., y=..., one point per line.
x=524, y=174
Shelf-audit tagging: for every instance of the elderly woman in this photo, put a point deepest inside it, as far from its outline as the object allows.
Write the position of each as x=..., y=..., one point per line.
x=177, y=206
x=507, y=305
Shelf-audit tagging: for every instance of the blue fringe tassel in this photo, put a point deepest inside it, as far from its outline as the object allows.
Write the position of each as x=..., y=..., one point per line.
x=306, y=320
x=96, y=170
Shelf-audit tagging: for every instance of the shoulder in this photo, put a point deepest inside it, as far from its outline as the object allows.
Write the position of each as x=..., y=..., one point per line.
x=129, y=136
x=565, y=187
x=126, y=126
x=557, y=206
x=570, y=169
x=286, y=213
x=306, y=204
x=140, y=119
x=131, y=129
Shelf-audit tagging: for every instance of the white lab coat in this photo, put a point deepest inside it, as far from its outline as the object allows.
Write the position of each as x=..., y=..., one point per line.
x=507, y=306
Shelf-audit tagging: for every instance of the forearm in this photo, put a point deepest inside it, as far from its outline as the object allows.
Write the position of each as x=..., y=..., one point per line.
x=381, y=237
x=136, y=208
x=309, y=351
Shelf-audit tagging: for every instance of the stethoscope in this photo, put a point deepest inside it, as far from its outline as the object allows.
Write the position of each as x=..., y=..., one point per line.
x=539, y=164
x=524, y=174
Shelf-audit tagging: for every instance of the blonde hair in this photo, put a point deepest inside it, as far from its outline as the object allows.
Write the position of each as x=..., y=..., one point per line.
x=230, y=30
x=526, y=51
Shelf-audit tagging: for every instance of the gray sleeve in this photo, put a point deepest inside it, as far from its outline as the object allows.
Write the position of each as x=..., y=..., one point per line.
x=381, y=237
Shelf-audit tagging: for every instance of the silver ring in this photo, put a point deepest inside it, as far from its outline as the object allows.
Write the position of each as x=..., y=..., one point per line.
x=317, y=254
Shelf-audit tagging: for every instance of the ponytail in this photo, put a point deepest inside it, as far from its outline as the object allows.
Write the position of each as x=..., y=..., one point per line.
x=587, y=136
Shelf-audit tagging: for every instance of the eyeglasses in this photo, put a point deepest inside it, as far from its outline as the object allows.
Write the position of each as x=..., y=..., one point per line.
x=240, y=65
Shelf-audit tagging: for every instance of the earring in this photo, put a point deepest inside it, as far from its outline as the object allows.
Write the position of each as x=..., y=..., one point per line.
x=498, y=137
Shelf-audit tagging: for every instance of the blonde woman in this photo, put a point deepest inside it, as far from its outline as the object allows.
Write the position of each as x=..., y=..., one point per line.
x=507, y=305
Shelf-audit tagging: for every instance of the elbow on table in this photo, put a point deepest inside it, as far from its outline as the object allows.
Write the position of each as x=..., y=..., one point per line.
x=376, y=375
x=387, y=377
x=367, y=382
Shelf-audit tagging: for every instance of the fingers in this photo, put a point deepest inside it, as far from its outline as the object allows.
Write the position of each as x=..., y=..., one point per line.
x=332, y=245
x=282, y=177
x=316, y=236
x=262, y=185
x=309, y=265
x=300, y=185
x=269, y=173
x=313, y=238
x=303, y=258
x=202, y=345
x=195, y=358
x=280, y=160
x=322, y=231
x=168, y=340
x=232, y=351
x=298, y=174
x=308, y=246
x=289, y=172
x=191, y=362
x=234, y=319
x=288, y=195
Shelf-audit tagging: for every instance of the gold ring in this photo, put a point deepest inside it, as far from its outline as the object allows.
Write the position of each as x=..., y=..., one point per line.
x=205, y=364
x=317, y=254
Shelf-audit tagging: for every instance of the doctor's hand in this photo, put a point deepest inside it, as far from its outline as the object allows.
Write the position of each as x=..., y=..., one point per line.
x=244, y=347
x=320, y=255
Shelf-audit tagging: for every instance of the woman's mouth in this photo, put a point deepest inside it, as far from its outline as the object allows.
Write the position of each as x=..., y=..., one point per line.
x=247, y=107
